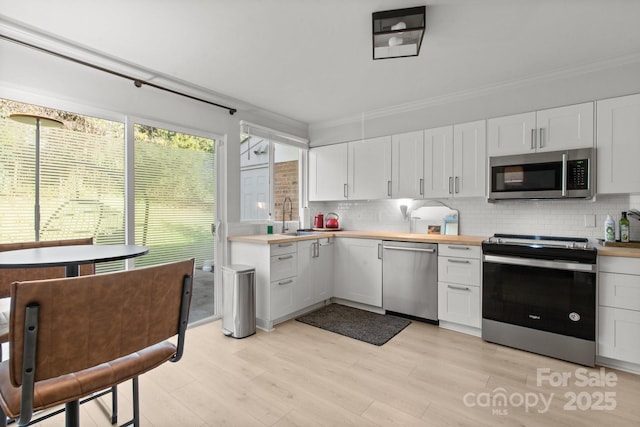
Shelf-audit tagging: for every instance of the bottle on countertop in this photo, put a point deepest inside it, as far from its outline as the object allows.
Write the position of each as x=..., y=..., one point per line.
x=624, y=228
x=609, y=229
x=270, y=225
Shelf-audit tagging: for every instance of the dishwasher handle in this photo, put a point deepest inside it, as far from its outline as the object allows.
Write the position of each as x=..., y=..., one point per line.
x=403, y=248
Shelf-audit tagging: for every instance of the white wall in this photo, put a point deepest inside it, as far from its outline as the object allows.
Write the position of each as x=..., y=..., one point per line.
x=597, y=81
x=30, y=76
x=480, y=218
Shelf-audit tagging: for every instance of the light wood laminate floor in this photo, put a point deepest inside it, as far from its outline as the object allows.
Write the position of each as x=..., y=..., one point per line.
x=299, y=375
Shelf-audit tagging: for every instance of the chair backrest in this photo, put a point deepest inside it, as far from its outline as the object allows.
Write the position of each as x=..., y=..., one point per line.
x=9, y=275
x=89, y=320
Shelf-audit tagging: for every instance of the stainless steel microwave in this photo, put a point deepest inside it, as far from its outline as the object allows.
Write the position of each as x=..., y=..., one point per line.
x=548, y=175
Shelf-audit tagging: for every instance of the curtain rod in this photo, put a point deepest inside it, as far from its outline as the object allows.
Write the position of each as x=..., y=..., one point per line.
x=137, y=82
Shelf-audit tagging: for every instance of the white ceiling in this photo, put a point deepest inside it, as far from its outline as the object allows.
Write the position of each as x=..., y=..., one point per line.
x=311, y=60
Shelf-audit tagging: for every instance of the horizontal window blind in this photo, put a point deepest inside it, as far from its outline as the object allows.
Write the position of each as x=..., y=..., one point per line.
x=174, y=196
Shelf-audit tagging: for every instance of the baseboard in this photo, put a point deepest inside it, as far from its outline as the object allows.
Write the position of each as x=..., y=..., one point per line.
x=621, y=365
x=469, y=330
x=359, y=305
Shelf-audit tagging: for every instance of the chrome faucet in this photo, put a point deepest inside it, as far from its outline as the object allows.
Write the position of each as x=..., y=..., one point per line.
x=284, y=203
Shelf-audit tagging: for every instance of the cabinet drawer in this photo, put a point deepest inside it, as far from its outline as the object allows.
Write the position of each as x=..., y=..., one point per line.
x=618, y=334
x=283, y=248
x=614, y=264
x=619, y=290
x=283, y=266
x=459, y=304
x=461, y=251
x=282, y=297
x=459, y=270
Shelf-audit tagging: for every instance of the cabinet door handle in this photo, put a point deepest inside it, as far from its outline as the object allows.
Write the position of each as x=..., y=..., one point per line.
x=458, y=288
x=282, y=258
x=459, y=261
x=533, y=139
x=422, y=186
x=459, y=248
x=316, y=249
x=541, y=140
x=450, y=185
x=345, y=191
x=457, y=185
x=389, y=188
x=286, y=282
x=379, y=250
x=284, y=245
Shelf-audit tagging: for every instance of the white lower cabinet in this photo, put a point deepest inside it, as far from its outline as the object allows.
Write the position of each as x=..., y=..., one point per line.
x=290, y=277
x=459, y=280
x=282, y=298
x=358, y=271
x=619, y=309
x=315, y=272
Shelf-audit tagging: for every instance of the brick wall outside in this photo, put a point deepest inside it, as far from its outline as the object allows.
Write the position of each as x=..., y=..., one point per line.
x=286, y=184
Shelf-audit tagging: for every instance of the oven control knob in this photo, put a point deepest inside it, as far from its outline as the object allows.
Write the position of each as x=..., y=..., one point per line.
x=574, y=316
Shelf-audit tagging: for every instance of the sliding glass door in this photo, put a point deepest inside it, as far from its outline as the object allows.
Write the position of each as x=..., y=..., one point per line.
x=70, y=177
x=175, y=204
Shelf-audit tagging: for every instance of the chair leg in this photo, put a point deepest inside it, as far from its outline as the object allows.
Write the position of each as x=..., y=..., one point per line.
x=136, y=403
x=114, y=405
x=72, y=414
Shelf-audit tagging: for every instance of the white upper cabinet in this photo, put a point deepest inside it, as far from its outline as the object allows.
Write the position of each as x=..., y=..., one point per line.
x=328, y=173
x=554, y=129
x=369, y=171
x=470, y=159
x=565, y=128
x=511, y=134
x=407, y=170
x=438, y=162
x=455, y=161
x=618, y=145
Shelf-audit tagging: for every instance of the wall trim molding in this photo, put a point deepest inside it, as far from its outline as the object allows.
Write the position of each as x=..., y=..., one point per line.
x=561, y=73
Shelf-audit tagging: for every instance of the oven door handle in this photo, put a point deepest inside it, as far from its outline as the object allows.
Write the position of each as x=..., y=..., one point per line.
x=529, y=262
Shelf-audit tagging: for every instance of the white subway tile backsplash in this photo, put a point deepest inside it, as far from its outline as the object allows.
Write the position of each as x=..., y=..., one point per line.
x=480, y=218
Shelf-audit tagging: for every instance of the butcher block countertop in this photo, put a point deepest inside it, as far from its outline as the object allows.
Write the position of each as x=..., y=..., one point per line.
x=270, y=239
x=618, y=251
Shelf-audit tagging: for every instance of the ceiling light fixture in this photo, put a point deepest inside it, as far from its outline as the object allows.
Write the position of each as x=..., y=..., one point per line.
x=398, y=33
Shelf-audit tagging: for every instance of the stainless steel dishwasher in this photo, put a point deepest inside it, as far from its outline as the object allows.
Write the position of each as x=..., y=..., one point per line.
x=410, y=279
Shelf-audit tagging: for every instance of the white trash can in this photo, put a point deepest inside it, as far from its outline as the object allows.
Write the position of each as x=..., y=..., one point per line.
x=238, y=300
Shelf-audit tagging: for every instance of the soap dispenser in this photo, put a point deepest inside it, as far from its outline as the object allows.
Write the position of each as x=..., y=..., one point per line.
x=609, y=229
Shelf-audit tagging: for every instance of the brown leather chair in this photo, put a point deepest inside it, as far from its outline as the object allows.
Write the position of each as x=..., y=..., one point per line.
x=81, y=318
x=10, y=275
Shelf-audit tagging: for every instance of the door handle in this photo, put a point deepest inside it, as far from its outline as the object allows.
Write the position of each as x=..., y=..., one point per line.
x=282, y=258
x=389, y=188
x=458, y=288
x=450, y=185
x=379, y=250
x=345, y=191
x=459, y=248
x=541, y=140
x=422, y=186
x=402, y=248
x=533, y=139
x=459, y=261
x=457, y=184
x=286, y=282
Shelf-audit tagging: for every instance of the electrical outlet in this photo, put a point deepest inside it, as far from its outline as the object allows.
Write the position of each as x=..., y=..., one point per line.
x=590, y=221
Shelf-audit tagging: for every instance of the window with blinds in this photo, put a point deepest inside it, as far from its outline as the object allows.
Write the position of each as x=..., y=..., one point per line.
x=80, y=177
x=174, y=195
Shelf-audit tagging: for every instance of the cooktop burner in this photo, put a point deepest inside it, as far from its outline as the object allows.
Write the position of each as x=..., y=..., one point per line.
x=576, y=249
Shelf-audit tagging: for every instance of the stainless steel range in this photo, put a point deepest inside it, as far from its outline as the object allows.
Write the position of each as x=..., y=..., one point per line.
x=539, y=295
